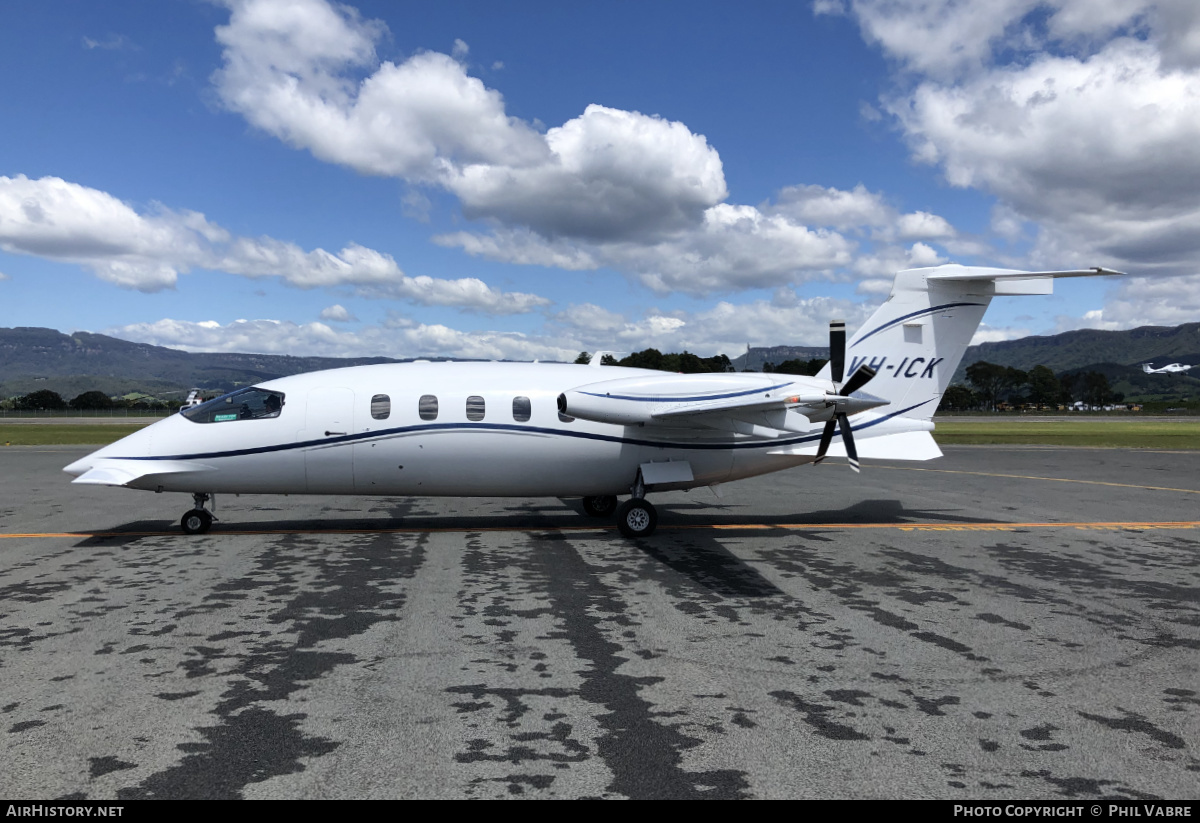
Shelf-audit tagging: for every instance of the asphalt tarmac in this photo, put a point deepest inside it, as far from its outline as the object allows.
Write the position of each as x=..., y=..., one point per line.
x=997, y=624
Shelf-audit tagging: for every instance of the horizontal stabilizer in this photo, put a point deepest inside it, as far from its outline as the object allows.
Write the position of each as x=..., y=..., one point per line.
x=955, y=272
x=125, y=472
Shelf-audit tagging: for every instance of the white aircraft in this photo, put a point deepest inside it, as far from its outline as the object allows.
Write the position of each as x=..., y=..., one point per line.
x=557, y=430
x=1171, y=368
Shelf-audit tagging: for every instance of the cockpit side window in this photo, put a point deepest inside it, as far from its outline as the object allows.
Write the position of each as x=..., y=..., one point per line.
x=243, y=404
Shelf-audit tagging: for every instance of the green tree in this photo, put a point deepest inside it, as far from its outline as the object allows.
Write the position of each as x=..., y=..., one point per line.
x=1044, y=387
x=807, y=367
x=958, y=398
x=584, y=358
x=994, y=382
x=645, y=359
x=92, y=400
x=1096, y=391
x=42, y=399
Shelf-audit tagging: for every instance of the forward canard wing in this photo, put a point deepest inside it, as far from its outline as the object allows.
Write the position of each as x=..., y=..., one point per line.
x=139, y=474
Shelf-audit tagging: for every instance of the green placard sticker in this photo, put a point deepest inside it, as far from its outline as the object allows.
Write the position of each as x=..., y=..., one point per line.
x=221, y=418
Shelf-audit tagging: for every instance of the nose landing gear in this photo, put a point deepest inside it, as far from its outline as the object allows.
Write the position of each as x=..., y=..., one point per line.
x=199, y=520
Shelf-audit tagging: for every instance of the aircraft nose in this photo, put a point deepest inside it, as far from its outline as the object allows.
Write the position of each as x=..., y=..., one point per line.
x=80, y=466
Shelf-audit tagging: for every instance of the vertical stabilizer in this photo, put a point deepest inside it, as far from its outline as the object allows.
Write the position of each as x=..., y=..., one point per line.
x=917, y=338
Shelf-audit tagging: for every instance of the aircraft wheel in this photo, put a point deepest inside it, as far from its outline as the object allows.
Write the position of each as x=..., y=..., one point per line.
x=636, y=518
x=600, y=506
x=197, y=521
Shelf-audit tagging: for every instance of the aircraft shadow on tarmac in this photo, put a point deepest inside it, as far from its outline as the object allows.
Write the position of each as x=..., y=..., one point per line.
x=536, y=517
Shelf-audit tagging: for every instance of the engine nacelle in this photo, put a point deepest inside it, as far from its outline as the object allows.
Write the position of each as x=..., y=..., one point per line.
x=619, y=411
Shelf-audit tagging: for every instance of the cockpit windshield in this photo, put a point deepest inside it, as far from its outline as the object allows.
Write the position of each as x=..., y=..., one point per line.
x=243, y=404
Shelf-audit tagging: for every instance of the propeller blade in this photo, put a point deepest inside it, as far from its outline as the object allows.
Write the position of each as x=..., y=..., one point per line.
x=862, y=375
x=837, y=350
x=826, y=439
x=848, y=440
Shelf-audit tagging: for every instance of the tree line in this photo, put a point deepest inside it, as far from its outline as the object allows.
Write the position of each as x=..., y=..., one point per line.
x=47, y=400
x=992, y=384
x=989, y=384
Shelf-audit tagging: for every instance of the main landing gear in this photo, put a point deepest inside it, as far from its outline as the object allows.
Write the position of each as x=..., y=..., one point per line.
x=600, y=506
x=636, y=517
x=199, y=520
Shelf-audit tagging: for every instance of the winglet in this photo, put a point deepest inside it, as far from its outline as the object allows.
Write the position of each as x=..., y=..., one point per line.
x=596, y=363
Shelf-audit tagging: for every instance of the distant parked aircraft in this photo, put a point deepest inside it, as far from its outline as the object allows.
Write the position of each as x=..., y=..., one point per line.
x=1173, y=368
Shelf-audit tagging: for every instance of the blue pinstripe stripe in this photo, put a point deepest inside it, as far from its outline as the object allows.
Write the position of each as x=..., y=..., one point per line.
x=920, y=313
x=686, y=399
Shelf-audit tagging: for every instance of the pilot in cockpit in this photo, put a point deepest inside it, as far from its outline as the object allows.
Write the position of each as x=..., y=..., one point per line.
x=271, y=406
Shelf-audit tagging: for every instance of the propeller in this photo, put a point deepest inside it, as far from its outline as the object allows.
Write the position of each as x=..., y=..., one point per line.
x=843, y=405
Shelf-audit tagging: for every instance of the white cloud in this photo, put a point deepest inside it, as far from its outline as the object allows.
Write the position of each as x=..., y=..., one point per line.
x=887, y=260
x=996, y=334
x=614, y=188
x=1081, y=116
x=922, y=225
x=59, y=220
x=836, y=208
x=113, y=42
x=1144, y=301
x=288, y=70
x=338, y=313
x=1103, y=153
x=725, y=328
x=4, y=276
x=309, y=339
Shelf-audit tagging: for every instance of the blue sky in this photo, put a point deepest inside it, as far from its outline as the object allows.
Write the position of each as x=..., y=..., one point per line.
x=528, y=180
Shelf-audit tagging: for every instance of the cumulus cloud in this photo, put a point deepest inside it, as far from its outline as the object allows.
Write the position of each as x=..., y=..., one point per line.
x=1081, y=116
x=338, y=313
x=1144, y=301
x=610, y=188
x=59, y=220
x=725, y=328
x=398, y=340
x=996, y=334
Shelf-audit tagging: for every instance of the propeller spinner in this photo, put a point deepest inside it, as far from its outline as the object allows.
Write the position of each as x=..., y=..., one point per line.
x=843, y=404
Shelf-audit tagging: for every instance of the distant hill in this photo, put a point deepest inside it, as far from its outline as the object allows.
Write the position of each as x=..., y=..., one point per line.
x=1117, y=355
x=1075, y=349
x=756, y=356
x=70, y=364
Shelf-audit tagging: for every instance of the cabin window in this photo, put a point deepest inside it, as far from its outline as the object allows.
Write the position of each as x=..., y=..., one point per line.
x=243, y=404
x=381, y=407
x=475, y=407
x=427, y=407
x=522, y=409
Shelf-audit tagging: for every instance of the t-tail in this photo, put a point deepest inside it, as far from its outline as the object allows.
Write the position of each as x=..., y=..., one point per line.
x=916, y=339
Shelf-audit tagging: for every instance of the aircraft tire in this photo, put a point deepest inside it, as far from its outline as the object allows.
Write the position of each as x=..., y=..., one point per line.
x=197, y=521
x=636, y=518
x=602, y=506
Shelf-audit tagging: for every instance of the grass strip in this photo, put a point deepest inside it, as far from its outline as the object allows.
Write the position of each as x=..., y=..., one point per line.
x=64, y=434
x=1130, y=434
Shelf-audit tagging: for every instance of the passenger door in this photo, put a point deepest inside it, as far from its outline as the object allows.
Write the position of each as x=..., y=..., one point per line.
x=328, y=457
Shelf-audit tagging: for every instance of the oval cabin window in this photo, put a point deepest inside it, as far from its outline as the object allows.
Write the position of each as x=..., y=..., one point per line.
x=428, y=407
x=381, y=407
x=475, y=407
x=522, y=409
